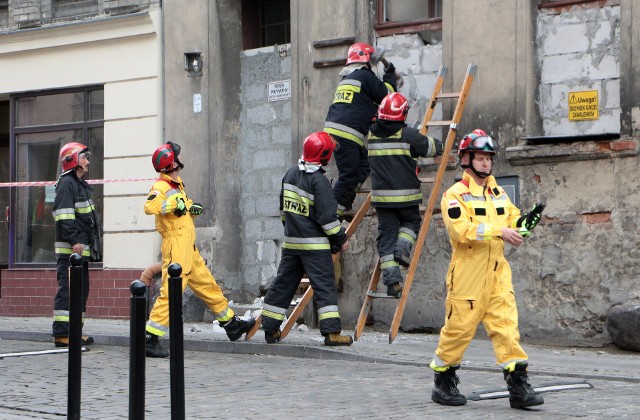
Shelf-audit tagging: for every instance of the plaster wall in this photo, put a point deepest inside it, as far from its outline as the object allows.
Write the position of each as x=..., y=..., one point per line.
x=123, y=54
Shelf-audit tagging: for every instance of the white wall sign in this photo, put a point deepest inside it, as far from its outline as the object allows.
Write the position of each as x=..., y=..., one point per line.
x=197, y=103
x=279, y=91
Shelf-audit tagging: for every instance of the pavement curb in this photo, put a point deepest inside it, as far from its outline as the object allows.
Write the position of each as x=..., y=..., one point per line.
x=297, y=351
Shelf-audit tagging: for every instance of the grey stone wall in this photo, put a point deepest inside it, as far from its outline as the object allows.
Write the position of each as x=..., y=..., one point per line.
x=266, y=147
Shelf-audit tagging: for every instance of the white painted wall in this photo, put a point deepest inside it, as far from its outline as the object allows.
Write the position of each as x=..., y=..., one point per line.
x=123, y=54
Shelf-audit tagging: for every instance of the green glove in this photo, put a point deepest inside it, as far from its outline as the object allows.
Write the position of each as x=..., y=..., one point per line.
x=533, y=217
x=181, y=207
x=196, y=209
x=524, y=232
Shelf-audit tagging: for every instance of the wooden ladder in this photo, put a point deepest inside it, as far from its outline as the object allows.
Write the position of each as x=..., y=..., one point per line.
x=433, y=197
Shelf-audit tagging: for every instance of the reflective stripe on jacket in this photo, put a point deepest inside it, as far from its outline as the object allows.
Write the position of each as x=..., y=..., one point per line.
x=393, y=152
x=355, y=103
x=308, y=208
x=161, y=202
x=73, y=211
x=474, y=217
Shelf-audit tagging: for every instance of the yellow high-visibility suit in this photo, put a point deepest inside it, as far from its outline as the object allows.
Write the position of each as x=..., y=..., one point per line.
x=178, y=246
x=478, y=284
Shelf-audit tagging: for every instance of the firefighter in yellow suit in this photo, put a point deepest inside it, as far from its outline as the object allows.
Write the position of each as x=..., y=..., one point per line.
x=479, y=218
x=174, y=213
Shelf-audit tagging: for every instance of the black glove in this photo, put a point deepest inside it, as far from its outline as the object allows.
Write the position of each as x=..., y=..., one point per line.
x=438, y=146
x=390, y=69
x=196, y=209
x=181, y=207
x=533, y=217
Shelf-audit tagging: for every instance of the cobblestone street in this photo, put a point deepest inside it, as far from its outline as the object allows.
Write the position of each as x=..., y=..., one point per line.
x=228, y=386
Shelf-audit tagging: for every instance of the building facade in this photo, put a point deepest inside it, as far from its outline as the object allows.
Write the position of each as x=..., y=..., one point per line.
x=239, y=84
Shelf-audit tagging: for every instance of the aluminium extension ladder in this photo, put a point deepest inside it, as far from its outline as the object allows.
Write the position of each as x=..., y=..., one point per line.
x=433, y=196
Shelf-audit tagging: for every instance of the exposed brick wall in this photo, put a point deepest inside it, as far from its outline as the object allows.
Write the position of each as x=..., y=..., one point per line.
x=30, y=292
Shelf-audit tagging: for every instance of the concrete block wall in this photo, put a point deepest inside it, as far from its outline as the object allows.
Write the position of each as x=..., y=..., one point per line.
x=266, y=147
x=578, y=50
x=418, y=63
x=23, y=11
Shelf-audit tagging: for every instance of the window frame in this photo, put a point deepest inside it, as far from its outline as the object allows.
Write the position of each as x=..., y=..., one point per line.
x=14, y=131
x=405, y=27
x=253, y=27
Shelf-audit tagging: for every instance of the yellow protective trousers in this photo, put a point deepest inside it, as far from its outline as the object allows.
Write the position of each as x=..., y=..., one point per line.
x=178, y=247
x=479, y=287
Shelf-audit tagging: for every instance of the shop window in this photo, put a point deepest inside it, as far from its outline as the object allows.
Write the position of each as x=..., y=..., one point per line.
x=408, y=16
x=41, y=124
x=265, y=23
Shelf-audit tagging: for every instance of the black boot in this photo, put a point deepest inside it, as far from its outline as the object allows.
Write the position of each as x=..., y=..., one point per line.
x=445, y=391
x=394, y=290
x=154, y=349
x=272, y=338
x=337, y=339
x=235, y=327
x=521, y=393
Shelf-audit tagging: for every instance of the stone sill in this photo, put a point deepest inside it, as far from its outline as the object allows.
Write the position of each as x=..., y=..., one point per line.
x=572, y=152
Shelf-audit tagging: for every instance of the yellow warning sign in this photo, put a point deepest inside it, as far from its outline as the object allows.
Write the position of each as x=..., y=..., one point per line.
x=583, y=105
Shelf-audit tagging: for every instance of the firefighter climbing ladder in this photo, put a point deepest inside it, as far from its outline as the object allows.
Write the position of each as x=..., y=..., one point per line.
x=433, y=196
x=424, y=228
x=308, y=294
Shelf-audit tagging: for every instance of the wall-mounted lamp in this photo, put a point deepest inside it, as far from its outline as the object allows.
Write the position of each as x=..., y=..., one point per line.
x=193, y=63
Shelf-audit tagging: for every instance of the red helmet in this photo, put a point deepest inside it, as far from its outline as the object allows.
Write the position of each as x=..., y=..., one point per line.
x=70, y=155
x=359, y=53
x=164, y=156
x=394, y=107
x=477, y=141
x=318, y=148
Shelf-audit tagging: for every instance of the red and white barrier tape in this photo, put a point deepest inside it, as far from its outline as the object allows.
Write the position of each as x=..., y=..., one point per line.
x=90, y=181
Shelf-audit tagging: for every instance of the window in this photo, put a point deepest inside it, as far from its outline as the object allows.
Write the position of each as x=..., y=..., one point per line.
x=4, y=5
x=265, y=23
x=41, y=124
x=408, y=16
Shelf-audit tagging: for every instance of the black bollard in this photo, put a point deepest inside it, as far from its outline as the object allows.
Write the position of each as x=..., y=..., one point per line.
x=176, y=345
x=76, y=274
x=137, y=357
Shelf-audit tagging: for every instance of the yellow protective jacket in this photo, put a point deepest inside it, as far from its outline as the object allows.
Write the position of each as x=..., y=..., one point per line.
x=161, y=202
x=474, y=217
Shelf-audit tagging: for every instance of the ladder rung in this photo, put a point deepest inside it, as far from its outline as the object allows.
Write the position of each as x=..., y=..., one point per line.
x=440, y=123
x=379, y=295
x=448, y=95
x=427, y=180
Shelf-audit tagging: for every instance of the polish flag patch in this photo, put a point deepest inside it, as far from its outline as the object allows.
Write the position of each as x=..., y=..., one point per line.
x=453, y=203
